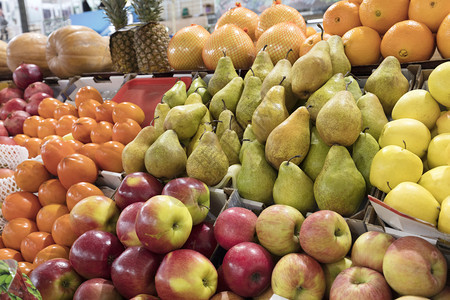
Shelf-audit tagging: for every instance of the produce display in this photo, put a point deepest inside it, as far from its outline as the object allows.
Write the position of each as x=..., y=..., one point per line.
x=297, y=142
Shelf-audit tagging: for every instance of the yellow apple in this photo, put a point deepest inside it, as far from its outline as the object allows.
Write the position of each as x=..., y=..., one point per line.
x=444, y=216
x=437, y=182
x=439, y=83
x=438, y=155
x=443, y=123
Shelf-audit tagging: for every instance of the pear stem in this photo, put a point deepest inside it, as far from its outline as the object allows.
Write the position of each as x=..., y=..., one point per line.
x=309, y=106
x=321, y=28
x=224, y=105
x=284, y=77
x=224, y=53
x=245, y=140
x=253, y=72
x=347, y=84
x=287, y=54
x=153, y=120
x=364, y=130
x=264, y=48
x=231, y=119
x=292, y=159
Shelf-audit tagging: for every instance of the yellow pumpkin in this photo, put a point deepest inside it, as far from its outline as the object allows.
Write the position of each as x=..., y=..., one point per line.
x=27, y=48
x=74, y=50
x=4, y=70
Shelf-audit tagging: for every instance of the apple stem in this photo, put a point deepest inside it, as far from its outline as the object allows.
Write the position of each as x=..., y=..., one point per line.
x=292, y=158
x=387, y=182
x=404, y=143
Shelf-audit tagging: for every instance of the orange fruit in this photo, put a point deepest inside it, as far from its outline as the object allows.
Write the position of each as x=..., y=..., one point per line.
x=89, y=150
x=16, y=230
x=62, y=231
x=30, y=174
x=47, y=107
x=53, y=151
x=362, y=46
x=46, y=127
x=408, y=41
x=48, y=214
x=429, y=12
x=76, y=168
x=5, y=173
x=356, y=1
x=87, y=108
x=33, y=243
x=65, y=109
x=20, y=139
x=1, y=242
x=33, y=146
x=79, y=191
x=25, y=267
x=311, y=41
x=127, y=110
x=103, y=112
x=50, y=252
x=75, y=144
x=340, y=17
x=102, y=132
x=52, y=192
x=30, y=125
x=51, y=137
x=87, y=93
x=8, y=253
x=64, y=125
x=20, y=205
x=109, y=156
x=443, y=38
x=125, y=131
x=81, y=129
x=310, y=31
x=382, y=14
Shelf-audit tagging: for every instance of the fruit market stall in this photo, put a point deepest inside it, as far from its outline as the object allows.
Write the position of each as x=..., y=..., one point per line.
x=273, y=162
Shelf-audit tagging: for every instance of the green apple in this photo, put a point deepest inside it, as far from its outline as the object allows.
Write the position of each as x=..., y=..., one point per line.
x=437, y=150
x=414, y=200
x=443, y=123
x=418, y=105
x=393, y=165
x=439, y=83
x=444, y=216
x=437, y=182
x=332, y=270
x=407, y=133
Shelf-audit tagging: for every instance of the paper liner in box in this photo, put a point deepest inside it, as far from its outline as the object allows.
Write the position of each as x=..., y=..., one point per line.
x=12, y=155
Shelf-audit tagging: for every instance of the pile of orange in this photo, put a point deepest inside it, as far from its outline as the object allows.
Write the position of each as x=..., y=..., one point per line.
x=410, y=30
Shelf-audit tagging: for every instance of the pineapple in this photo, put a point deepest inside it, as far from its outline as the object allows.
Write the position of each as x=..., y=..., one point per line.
x=121, y=42
x=151, y=39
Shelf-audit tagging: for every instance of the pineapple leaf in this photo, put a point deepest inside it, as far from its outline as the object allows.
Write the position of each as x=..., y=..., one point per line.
x=148, y=10
x=116, y=12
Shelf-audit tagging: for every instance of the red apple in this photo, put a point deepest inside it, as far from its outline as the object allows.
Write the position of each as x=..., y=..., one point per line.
x=94, y=212
x=93, y=253
x=163, y=224
x=10, y=106
x=185, y=274
x=125, y=227
x=33, y=105
x=7, y=140
x=97, y=289
x=14, y=121
x=247, y=269
x=325, y=236
x=226, y=295
x=413, y=266
x=369, y=249
x=221, y=284
x=298, y=276
x=360, y=283
x=144, y=297
x=331, y=270
x=193, y=193
x=235, y=225
x=202, y=239
x=26, y=74
x=56, y=279
x=3, y=130
x=137, y=187
x=9, y=93
x=444, y=294
x=37, y=87
x=133, y=272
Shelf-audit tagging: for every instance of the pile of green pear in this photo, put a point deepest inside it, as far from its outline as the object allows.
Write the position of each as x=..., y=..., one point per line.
x=299, y=134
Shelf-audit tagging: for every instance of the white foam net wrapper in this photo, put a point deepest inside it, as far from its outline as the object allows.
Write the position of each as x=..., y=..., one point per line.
x=12, y=155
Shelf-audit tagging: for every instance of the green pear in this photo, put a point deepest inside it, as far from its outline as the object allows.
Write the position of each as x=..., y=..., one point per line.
x=231, y=146
x=363, y=152
x=193, y=98
x=223, y=74
x=202, y=128
x=248, y=137
x=195, y=84
x=261, y=66
x=372, y=113
x=318, y=99
x=208, y=162
x=281, y=70
x=176, y=95
x=294, y=188
x=269, y=113
x=312, y=70
x=256, y=179
x=133, y=154
x=353, y=87
x=314, y=160
x=388, y=83
x=249, y=101
x=339, y=121
x=340, y=186
x=290, y=138
x=184, y=119
x=339, y=60
x=230, y=94
x=227, y=120
x=161, y=111
x=166, y=158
